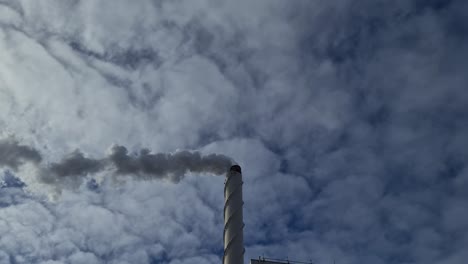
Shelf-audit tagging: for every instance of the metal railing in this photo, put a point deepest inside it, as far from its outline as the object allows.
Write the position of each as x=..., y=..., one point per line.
x=281, y=261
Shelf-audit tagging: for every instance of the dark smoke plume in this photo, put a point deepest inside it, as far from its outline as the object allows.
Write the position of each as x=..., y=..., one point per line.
x=13, y=155
x=146, y=165
x=76, y=164
x=163, y=165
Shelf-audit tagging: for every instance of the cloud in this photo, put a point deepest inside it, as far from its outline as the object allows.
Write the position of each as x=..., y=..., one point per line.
x=82, y=227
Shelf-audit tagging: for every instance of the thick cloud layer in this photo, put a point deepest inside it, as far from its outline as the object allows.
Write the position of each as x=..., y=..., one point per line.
x=347, y=117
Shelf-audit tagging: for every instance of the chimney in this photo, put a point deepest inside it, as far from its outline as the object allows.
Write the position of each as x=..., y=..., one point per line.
x=233, y=219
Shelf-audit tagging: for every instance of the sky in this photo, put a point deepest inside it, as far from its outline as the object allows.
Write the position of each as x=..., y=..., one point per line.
x=349, y=119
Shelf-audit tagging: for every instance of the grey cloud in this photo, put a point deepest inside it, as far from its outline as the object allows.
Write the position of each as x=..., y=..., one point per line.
x=131, y=59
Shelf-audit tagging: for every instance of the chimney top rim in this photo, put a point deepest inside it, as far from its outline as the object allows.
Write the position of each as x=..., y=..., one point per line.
x=236, y=168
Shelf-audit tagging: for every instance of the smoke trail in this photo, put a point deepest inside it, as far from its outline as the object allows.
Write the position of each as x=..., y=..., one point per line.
x=163, y=165
x=76, y=164
x=70, y=171
x=73, y=168
x=13, y=155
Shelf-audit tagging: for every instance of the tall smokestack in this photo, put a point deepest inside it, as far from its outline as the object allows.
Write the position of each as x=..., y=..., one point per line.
x=233, y=223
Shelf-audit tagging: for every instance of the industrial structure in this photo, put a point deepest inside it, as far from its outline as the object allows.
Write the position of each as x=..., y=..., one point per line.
x=275, y=261
x=233, y=235
x=233, y=217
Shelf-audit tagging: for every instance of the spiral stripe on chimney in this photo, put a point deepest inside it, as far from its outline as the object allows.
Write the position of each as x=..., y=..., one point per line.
x=233, y=217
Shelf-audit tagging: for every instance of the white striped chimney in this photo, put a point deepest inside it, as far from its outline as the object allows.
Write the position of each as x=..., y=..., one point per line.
x=233, y=219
